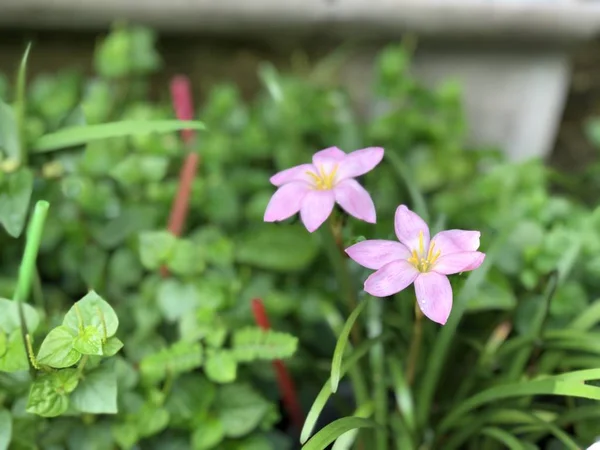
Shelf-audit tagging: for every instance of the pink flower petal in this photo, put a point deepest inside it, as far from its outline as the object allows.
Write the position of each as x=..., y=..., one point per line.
x=434, y=296
x=458, y=262
x=316, y=207
x=376, y=253
x=297, y=173
x=391, y=278
x=455, y=241
x=286, y=201
x=359, y=162
x=408, y=227
x=355, y=200
x=329, y=155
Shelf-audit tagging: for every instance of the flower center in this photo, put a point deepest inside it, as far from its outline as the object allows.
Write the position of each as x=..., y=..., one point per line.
x=323, y=181
x=422, y=261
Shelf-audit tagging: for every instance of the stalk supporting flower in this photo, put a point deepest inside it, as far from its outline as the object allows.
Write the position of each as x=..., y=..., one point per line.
x=314, y=189
x=418, y=259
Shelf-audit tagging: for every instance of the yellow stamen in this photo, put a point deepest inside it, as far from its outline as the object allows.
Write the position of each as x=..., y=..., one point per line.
x=323, y=181
x=422, y=261
x=420, y=242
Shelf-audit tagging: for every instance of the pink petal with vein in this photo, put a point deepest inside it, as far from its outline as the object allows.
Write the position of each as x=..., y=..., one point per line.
x=297, y=173
x=329, y=155
x=355, y=200
x=391, y=278
x=286, y=201
x=458, y=262
x=408, y=225
x=316, y=208
x=455, y=241
x=359, y=162
x=376, y=253
x=434, y=296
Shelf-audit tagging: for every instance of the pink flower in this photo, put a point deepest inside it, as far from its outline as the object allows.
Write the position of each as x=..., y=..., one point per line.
x=420, y=260
x=313, y=189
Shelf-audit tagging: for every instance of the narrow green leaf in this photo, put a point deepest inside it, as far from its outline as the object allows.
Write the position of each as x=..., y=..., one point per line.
x=340, y=346
x=325, y=392
x=5, y=429
x=335, y=429
x=588, y=318
x=346, y=440
x=20, y=101
x=504, y=437
x=78, y=135
x=403, y=394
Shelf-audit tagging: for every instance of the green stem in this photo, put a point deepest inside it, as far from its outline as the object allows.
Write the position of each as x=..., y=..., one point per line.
x=415, y=345
x=377, y=358
x=32, y=246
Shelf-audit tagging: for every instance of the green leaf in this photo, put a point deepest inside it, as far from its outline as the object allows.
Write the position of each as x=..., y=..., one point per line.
x=92, y=310
x=504, y=437
x=9, y=319
x=335, y=429
x=78, y=135
x=220, y=366
x=9, y=133
x=15, y=358
x=112, y=346
x=340, y=346
x=89, y=341
x=281, y=248
x=97, y=392
x=186, y=258
x=44, y=397
x=20, y=102
x=208, y=433
x=155, y=248
x=151, y=420
x=176, y=299
x=57, y=349
x=15, y=195
x=252, y=343
x=179, y=358
x=241, y=409
x=125, y=434
x=5, y=429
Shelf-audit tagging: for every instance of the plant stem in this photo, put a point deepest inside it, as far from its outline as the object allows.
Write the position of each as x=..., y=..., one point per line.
x=374, y=327
x=32, y=247
x=415, y=345
x=337, y=259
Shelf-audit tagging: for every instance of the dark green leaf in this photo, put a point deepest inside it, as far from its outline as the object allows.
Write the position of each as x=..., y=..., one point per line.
x=78, y=135
x=57, y=349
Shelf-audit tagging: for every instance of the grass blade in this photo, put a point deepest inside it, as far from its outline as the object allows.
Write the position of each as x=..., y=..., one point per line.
x=335, y=429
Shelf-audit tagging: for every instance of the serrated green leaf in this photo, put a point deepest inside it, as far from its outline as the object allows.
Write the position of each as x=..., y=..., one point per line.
x=281, y=248
x=220, y=366
x=208, y=433
x=15, y=195
x=5, y=429
x=92, y=310
x=179, y=358
x=57, y=349
x=156, y=248
x=44, y=398
x=252, y=343
x=97, y=392
x=79, y=135
x=89, y=341
x=112, y=346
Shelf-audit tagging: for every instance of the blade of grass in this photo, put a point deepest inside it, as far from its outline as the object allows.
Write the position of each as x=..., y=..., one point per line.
x=20, y=103
x=335, y=429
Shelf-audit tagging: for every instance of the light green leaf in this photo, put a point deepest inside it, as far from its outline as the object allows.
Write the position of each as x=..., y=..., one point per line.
x=15, y=195
x=57, y=349
x=15, y=358
x=241, y=409
x=3, y=343
x=89, y=341
x=97, y=392
x=9, y=319
x=9, y=133
x=346, y=440
x=155, y=248
x=208, y=433
x=44, y=398
x=92, y=310
x=125, y=434
x=112, y=346
x=340, y=346
x=335, y=429
x=504, y=437
x=186, y=258
x=78, y=135
x=220, y=366
x=179, y=358
x=176, y=299
x=151, y=420
x=252, y=343
x=281, y=248
x=5, y=429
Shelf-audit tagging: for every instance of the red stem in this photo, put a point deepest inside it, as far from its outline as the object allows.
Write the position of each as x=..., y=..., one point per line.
x=182, y=103
x=284, y=379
